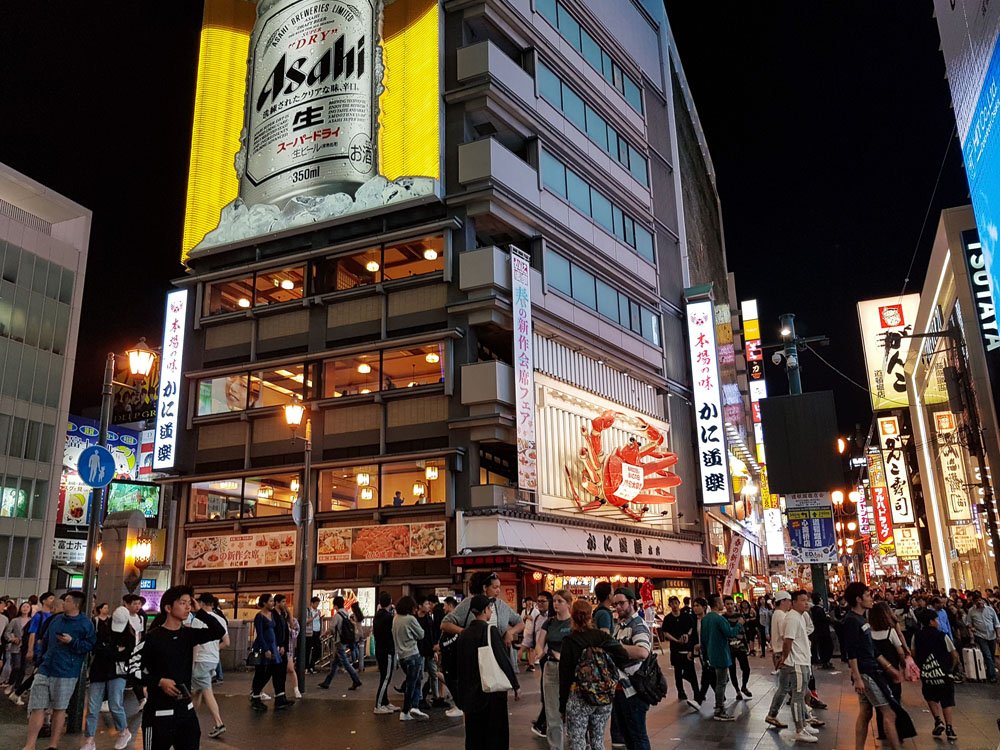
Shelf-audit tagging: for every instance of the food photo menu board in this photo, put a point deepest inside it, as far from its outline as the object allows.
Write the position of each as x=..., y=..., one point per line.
x=272, y=549
x=384, y=542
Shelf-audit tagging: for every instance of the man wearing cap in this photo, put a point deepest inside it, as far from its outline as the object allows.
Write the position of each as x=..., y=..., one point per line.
x=785, y=672
x=632, y=632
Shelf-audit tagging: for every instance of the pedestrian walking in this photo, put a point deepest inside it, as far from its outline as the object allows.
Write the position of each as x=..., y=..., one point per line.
x=385, y=652
x=206, y=660
x=288, y=638
x=426, y=647
x=106, y=677
x=739, y=648
x=822, y=642
x=487, y=725
x=764, y=612
x=546, y=610
x=588, y=679
x=269, y=655
x=62, y=641
x=166, y=662
x=127, y=614
x=13, y=637
x=678, y=630
x=714, y=638
x=938, y=659
x=629, y=709
x=449, y=605
x=794, y=662
x=344, y=633
x=985, y=626
x=548, y=645
x=314, y=634
x=406, y=635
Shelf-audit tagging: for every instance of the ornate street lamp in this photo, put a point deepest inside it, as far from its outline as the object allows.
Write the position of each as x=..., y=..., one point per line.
x=302, y=513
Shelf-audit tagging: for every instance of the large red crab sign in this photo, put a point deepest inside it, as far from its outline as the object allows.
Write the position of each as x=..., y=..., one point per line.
x=631, y=478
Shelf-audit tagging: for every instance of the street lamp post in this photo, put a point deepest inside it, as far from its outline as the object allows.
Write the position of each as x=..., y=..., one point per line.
x=302, y=513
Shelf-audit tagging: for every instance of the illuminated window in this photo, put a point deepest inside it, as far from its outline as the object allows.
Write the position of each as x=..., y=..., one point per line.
x=414, y=258
x=284, y=285
x=407, y=483
x=339, y=488
x=263, y=288
x=413, y=366
x=342, y=272
x=351, y=376
x=229, y=296
x=223, y=394
x=276, y=387
x=269, y=495
x=215, y=501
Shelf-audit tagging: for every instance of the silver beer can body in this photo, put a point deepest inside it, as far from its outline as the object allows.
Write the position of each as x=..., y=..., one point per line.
x=311, y=106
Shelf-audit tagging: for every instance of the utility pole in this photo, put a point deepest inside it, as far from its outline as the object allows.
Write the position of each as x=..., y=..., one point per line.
x=791, y=352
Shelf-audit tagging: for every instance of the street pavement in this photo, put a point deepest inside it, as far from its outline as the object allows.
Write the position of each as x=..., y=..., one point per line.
x=339, y=719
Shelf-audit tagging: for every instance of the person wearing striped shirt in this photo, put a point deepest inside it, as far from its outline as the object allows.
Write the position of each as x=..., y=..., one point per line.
x=632, y=632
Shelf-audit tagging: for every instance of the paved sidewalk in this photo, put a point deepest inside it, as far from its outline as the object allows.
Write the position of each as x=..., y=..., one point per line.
x=343, y=720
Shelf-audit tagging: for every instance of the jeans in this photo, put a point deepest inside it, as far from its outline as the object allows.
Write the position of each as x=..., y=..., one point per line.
x=414, y=668
x=430, y=688
x=721, y=677
x=684, y=670
x=218, y=671
x=744, y=663
x=315, y=647
x=550, y=689
x=631, y=720
x=115, y=692
x=988, y=647
x=342, y=660
x=786, y=683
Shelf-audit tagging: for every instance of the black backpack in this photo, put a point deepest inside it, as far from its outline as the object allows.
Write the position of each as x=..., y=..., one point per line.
x=348, y=635
x=648, y=681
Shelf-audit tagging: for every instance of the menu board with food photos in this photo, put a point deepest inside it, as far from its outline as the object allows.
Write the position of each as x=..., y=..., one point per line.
x=270, y=550
x=383, y=542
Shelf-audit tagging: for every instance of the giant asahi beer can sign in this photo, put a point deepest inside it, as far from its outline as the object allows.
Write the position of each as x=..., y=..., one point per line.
x=311, y=99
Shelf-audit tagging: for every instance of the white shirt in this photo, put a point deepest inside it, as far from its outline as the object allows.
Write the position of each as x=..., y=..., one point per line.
x=207, y=653
x=795, y=628
x=778, y=629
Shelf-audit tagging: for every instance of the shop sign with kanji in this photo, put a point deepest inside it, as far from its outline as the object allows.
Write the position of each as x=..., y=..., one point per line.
x=897, y=479
x=168, y=404
x=524, y=372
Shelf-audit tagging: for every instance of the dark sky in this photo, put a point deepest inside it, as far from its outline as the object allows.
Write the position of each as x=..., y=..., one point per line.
x=827, y=123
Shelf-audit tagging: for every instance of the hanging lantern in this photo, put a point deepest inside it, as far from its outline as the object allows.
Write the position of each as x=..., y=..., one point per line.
x=364, y=479
x=367, y=493
x=431, y=473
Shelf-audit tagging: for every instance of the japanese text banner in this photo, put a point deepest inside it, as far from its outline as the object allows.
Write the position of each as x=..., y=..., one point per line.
x=713, y=458
x=885, y=325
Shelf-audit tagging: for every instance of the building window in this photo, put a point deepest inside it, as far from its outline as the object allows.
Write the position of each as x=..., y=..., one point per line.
x=557, y=273
x=349, y=488
x=215, y=501
x=413, y=483
x=253, y=497
x=343, y=272
x=14, y=497
x=414, y=258
x=269, y=287
x=223, y=394
x=583, y=287
x=276, y=387
x=284, y=285
x=351, y=376
x=229, y=296
x=413, y=366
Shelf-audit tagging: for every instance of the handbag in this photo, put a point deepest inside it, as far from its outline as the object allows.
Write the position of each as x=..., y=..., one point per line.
x=491, y=677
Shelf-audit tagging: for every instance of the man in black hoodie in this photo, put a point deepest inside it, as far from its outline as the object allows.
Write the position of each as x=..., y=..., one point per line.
x=385, y=652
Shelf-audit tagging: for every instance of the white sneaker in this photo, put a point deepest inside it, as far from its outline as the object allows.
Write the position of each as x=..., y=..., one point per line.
x=805, y=737
x=123, y=739
x=383, y=710
x=454, y=713
x=12, y=697
x=392, y=707
x=20, y=701
x=405, y=717
x=88, y=744
x=416, y=713
x=811, y=730
x=265, y=697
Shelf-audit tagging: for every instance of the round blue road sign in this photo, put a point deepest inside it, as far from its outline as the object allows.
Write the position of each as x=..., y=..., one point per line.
x=96, y=466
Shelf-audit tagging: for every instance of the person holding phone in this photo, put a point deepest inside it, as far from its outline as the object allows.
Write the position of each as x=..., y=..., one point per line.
x=167, y=658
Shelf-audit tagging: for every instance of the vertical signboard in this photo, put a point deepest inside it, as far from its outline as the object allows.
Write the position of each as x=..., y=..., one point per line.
x=907, y=543
x=864, y=528
x=981, y=286
x=524, y=371
x=951, y=454
x=897, y=478
x=885, y=323
x=880, y=504
x=810, y=527
x=713, y=460
x=171, y=363
x=732, y=563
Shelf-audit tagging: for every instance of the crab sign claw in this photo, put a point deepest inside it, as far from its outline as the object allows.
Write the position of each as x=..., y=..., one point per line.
x=653, y=437
x=654, y=498
x=655, y=467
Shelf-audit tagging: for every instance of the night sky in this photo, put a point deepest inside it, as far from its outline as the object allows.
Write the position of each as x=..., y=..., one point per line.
x=827, y=124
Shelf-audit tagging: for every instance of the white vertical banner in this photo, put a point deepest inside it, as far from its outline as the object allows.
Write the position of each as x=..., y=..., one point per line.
x=732, y=563
x=524, y=371
x=713, y=459
x=171, y=372
x=885, y=324
x=897, y=479
x=952, y=456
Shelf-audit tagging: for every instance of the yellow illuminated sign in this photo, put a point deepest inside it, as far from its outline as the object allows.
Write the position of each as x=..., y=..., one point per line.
x=409, y=108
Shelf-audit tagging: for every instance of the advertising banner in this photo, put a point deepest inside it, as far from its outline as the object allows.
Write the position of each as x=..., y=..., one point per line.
x=864, y=528
x=897, y=476
x=713, y=456
x=810, y=527
x=273, y=549
x=524, y=372
x=398, y=541
x=168, y=422
x=952, y=456
x=880, y=504
x=884, y=323
x=907, y=540
x=732, y=563
x=69, y=551
x=964, y=538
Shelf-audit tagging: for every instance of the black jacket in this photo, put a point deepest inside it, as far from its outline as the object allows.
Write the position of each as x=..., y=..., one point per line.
x=382, y=632
x=110, y=649
x=470, y=695
x=572, y=649
x=170, y=654
x=281, y=632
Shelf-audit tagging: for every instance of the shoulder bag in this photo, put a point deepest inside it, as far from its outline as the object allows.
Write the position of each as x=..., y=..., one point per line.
x=491, y=677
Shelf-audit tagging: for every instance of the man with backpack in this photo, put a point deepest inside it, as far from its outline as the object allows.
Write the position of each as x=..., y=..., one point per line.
x=629, y=708
x=344, y=637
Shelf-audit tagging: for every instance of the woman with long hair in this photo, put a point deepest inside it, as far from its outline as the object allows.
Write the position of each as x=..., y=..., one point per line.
x=749, y=614
x=888, y=644
x=13, y=634
x=358, y=650
x=550, y=641
x=585, y=717
x=270, y=659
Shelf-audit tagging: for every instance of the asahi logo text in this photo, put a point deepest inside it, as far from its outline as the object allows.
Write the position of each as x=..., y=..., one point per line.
x=333, y=64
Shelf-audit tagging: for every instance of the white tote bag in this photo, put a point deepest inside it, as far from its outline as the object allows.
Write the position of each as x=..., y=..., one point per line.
x=492, y=678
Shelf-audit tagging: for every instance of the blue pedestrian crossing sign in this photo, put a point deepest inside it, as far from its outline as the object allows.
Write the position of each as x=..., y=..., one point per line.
x=96, y=466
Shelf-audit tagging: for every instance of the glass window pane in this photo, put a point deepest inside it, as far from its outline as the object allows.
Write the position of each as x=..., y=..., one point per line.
x=45, y=446
x=33, y=435
x=638, y=167
x=282, y=285
x=48, y=328
x=14, y=497
x=583, y=288
x=643, y=243
x=413, y=483
x=5, y=421
x=18, y=428
x=347, y=271
x=623, y=310
x=607, y=67
x=39, y=499
x=578, y=192
x=628, y=236
x=557, y=273
x=33, y=332
x=16, y=556
x=650, y=326
x=413, y=366
x=568, y=26
x=222, y=395
x=275, y=387
x=549, y=85
x=618, y=222
x=548, y=9
x=215, y=501
x=229, y=296
x=54, y=388
x=597, y=128
x=61, y=330
x=601, y=210
x=414, y=258
x=607, y=300
x=351, y=376
x=31, y=557
x=40, y=275
x=42, y=364
x=345, y=488
x=271, y=496
x=11, y=260
x=632, y=94
x=623, y=150
x=66, y=286
x=26, y=269
x=574, y=109
x=553, y=174
x=53, y=281
x=591, y=50
x=636, y=314
x=26, y=378
x=19, y=315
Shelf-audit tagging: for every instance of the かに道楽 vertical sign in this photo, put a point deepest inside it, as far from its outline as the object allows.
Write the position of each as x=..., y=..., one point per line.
x=524, y=371
x=168, y=405
x=713, y=459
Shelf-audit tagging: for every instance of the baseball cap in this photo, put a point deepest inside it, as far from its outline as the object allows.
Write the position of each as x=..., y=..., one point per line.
x=781, y=596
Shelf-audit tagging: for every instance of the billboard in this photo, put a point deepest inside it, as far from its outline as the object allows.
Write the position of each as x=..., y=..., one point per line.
x=969, y=40
x=168, y=422
x=884, y=325
x=880, y=504
x=810, y=527
x=524, y=371
x=342, y=114
x=897, y=476
x=141, y=496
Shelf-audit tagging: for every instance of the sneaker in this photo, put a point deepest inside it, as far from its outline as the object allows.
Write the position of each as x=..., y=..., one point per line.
x=539, y=733
x=324, y=686
x=88, y=743
x=814, y=722
x=13, y=697
x=696, y=705
x=282, y=703
x=805, y=737
x=739, y=695
x=404, y=716
x=531, y=667
x=383, y=710
x=123, y=739
x=265, y=697
x=617, y=745
x=816, y=702
x=723, y=716
x=217, y=730
x=257, y=705
x=746, y=692
x=393, y=707
x=416, y=713
x=355, y=686
x=454, y=713
x=938, y=729
x=811, y=730
x=105, y=708
x=949, y=732
x=19, y=701
x=775, y=722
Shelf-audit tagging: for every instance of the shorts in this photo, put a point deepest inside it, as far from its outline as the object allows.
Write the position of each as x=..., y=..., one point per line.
x=51, y=692
x=202, y=673
x=943, y=694
x=873, y=695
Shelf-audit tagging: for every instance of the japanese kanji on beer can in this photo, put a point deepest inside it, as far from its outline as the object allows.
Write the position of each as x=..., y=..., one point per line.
x=310, y=111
